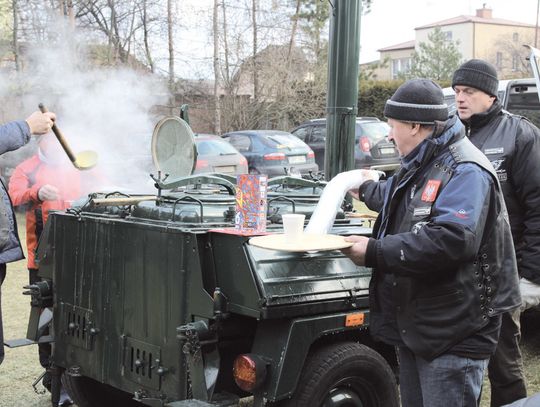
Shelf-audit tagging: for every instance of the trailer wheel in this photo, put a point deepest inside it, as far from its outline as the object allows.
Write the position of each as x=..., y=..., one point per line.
x=87, y=392
x=345, y=375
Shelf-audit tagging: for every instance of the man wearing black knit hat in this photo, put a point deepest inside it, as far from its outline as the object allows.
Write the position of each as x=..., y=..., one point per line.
x=512, y=144
x=444, y=268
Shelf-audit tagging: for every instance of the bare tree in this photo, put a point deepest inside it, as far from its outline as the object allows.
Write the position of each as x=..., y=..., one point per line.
x=15, y=36
x=226, y=51
x=146, y=35
x=255, y=68
x=170, y=41
x=217, y=110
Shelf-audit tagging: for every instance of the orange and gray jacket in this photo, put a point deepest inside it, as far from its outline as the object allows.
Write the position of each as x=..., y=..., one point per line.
x=25, y=182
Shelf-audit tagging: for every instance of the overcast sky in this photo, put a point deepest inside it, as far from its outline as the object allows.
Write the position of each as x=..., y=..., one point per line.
x=391, y=22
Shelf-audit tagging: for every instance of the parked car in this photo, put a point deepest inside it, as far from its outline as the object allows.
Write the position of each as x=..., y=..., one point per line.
x=273, y=152
x=216, y=155
x=372, y=148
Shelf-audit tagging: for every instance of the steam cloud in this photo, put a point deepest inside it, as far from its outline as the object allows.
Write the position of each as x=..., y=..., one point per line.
x=106, y=110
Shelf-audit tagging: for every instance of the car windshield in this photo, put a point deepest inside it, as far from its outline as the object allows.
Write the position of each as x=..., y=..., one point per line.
x=283, y=141
x=375, y=131
x=214, y=147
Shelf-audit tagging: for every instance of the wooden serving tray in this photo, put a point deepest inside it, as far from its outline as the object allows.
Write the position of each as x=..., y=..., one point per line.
x=307, y=243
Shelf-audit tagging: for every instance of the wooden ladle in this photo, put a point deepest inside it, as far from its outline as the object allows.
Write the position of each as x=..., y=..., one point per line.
x=82, y=161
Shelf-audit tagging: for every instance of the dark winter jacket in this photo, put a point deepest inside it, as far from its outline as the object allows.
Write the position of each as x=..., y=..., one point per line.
x=12, y=136
x=442, y=251
x=512, y=144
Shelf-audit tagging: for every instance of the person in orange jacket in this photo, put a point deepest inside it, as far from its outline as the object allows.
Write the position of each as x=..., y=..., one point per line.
x=44, y=182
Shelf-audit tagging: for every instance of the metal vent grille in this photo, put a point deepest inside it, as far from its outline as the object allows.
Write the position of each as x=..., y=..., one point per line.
x=78, y=325
x=141, y=361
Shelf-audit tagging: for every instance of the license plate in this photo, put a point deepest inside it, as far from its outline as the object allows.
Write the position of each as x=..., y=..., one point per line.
x=225, y=169
x=387, y=151
x=297, y=159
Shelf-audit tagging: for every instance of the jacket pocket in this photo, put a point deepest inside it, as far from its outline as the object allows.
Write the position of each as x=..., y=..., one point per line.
x=440, y=301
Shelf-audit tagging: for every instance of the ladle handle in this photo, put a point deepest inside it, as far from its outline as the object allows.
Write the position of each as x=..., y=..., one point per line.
x=59, y=136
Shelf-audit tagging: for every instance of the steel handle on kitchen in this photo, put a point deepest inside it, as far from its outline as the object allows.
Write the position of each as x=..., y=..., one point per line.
x=59, y=136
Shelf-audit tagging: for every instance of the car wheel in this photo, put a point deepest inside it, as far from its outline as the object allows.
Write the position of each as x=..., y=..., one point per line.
x=87, y=392
x=345, y=375
x=254, y=171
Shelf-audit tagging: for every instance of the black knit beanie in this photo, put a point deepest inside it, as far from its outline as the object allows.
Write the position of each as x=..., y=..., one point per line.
x=477, y=74
x=417, y=101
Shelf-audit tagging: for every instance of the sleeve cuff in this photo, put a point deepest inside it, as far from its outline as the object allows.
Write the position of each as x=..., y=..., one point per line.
x=34, y=193
x=371, y=253
x=362, y=189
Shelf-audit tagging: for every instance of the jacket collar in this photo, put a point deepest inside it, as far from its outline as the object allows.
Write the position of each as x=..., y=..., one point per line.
x=444, y=133
x=479, y=120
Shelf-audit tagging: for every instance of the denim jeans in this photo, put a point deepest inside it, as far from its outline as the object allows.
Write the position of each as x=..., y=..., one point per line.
x=2, y=276
x=448, y=380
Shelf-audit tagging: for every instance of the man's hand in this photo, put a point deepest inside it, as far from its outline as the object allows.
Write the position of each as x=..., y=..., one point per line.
x=364, y=175
x=530, y=294
x=357, y=252
x=40, y=123
x=48, y=193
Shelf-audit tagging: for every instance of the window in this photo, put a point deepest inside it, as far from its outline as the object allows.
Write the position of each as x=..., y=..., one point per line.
x=400, y=66
x=447, y=35
x=515, y=37
x=515, y=62
x=301, y=133
x=319, y=134
x=499, y=60
x=240, y=142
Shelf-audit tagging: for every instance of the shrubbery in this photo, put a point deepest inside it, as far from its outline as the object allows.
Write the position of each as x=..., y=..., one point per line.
x=372, y=95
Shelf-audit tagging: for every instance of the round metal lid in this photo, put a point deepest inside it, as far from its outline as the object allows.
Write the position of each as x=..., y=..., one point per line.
x=173, y=147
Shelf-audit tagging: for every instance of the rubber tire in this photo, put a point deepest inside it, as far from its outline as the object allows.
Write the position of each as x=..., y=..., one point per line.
x=253, y=171
x=87, y=392
x=367, y=371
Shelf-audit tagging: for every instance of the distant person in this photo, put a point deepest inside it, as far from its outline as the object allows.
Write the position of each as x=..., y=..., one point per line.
x=512, y=144
x=444, y=268
x=46, y=181
x=14, y=135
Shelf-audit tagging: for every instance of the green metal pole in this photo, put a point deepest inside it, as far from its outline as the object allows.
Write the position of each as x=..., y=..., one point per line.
x=342, y=101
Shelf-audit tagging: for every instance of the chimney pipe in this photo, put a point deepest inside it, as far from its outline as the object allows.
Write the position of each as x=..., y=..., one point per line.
x=484, y=12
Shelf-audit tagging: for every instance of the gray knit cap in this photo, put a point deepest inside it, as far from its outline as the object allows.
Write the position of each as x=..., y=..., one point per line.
x=477, y=74
x=417, y=101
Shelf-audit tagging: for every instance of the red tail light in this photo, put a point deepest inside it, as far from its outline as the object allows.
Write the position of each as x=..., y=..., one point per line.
x=201, y=164
x=243, y=161
x=364, y=144
x=274, y=156
x=311, y=154
x=249, y=371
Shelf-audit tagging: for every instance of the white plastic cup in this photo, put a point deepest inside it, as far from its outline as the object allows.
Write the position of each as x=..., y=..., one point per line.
x=293, y=226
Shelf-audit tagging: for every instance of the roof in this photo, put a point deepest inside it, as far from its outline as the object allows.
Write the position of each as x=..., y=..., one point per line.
x=474, y=19
x=256, y=132
x=403, y=45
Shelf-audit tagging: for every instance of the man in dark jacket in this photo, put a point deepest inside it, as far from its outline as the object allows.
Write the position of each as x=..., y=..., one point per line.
x=444, y=269
x=512, y=144
x=12, y=136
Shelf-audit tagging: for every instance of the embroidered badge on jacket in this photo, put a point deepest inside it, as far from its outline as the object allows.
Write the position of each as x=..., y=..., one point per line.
x=430, y=190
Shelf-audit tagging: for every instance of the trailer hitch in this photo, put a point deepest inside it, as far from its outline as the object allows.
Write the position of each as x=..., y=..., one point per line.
x=202, y=372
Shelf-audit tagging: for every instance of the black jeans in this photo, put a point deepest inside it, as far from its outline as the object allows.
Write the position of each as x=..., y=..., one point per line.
x=2, y=277
x=505, y=369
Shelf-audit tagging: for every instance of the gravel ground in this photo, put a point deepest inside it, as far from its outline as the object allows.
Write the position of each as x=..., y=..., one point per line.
x=21, y=366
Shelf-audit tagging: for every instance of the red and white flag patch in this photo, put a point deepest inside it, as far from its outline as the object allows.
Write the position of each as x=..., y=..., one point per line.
x=430, y=190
